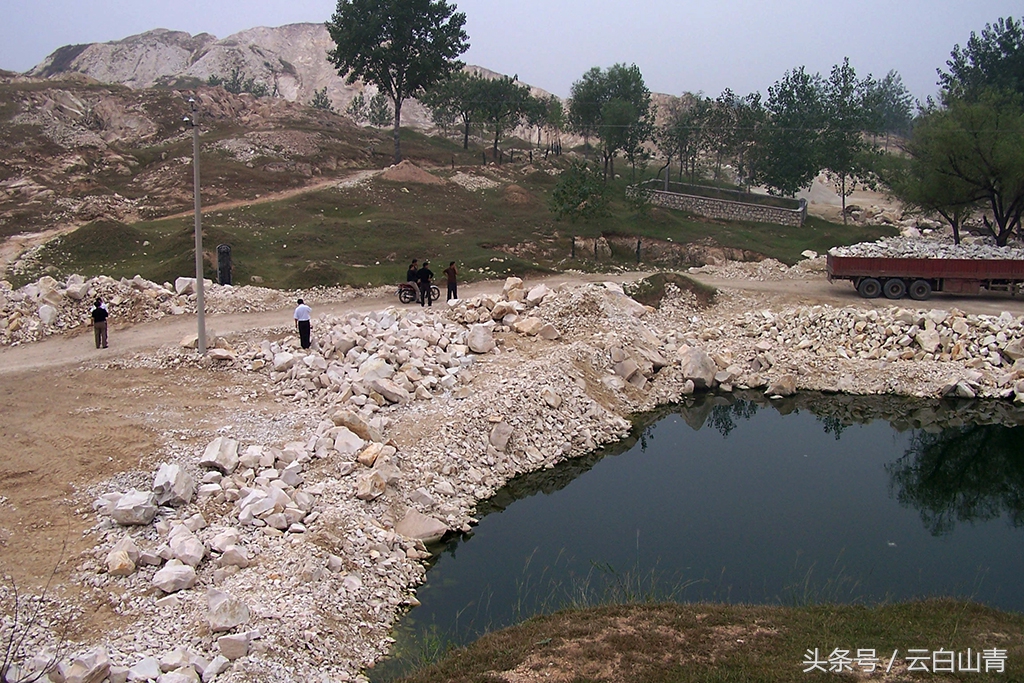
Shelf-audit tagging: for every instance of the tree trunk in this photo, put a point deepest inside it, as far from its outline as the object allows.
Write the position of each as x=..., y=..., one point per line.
x=465, y=134
x=842, y=191
x=398, y=126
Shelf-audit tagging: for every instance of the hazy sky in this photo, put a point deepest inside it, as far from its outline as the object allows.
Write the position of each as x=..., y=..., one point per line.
x=679, y=45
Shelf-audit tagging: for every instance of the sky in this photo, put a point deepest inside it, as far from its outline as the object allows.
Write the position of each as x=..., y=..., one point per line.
x=680, y=45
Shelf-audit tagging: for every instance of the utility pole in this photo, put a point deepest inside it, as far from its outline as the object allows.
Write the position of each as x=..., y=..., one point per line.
x=200, y=304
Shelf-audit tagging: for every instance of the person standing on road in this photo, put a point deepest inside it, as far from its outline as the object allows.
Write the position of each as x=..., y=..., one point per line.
x=99, y=324
x=453, y=285
x=424, y=276
x=413, y=274
x=302, y=315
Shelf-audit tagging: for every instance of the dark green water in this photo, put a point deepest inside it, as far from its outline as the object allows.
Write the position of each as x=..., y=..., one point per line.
x=813, y=499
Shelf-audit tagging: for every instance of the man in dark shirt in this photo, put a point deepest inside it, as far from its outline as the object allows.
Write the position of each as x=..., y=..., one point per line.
x=99, y=324
x=424, y=276
x=453, y=286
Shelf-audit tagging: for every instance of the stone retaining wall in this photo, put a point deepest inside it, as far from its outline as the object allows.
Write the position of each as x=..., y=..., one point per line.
x=729, y=210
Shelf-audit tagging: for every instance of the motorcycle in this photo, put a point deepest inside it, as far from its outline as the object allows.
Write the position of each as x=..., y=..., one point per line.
x=409, y=293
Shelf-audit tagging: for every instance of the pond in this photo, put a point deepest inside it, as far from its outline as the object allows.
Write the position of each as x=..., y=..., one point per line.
x=741, y=499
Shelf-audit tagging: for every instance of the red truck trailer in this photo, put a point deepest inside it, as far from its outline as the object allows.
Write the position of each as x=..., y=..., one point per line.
x=919, y=277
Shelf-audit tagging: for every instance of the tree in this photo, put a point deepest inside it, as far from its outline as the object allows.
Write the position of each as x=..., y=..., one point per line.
x=843, y=148
x=580, y=193
x=788, y=150
x=321, y=100
x=993, y=60
x=555, y=122
x=379, y=111
x=460, y=95
x=915, y=180
x=502, y=104
x=750, y=119
x=400, y=46
x=613, y=105
x=977, y=149
x=357, y=108
x=889, y=105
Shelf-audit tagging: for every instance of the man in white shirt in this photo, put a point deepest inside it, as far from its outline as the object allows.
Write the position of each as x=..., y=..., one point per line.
x=302, y=316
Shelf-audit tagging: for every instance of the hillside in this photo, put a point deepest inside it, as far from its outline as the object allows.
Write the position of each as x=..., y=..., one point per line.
x=290, y=60
x=75, y=150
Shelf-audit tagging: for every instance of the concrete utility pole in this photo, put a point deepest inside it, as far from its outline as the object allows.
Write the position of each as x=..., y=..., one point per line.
x=200, y=304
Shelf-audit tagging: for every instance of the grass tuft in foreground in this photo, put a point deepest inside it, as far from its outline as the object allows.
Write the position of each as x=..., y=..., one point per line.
x=713, y=642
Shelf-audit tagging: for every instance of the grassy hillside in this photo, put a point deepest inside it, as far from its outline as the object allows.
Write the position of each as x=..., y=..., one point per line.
x=366, y=235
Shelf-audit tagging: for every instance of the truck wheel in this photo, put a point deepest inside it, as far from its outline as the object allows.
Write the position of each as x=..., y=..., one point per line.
x=894, y=288
x=869, y=288
x=920, y=290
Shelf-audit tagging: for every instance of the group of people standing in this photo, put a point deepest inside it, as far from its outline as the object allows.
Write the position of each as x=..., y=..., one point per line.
x=422, y=277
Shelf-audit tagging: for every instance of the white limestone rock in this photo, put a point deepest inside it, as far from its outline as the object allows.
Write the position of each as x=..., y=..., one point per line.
x=698, y=366
x=134, y=507
x=419, y=526
x=480, y=339
x=221, y=454
x=174, y=576
x=173, y=485
x=224, y=611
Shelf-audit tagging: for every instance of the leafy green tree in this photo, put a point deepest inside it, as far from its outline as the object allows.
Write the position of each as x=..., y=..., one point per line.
x=993, y=60
x=606, y=105
x=379, y=111
x=890, y=106
x=458, y=95
x=586, y=97
x=502, y=104
x=554, y=122
x=917, y=178
x=685, y=133
x=750, y=118
x=977, y=149
x=843, y=148
x=356, y=109
x=238, y=83
x=321, y=100
x=580, y=194
x=788, y=149
x=400, y=46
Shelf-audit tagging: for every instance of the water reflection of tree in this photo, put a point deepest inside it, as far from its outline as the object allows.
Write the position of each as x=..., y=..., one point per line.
x=723, y=417
x=962, y=474
x=832, y=425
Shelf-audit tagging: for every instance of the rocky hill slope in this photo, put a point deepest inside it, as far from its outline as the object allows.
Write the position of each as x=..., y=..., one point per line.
x=74, y=150
x=290, y=60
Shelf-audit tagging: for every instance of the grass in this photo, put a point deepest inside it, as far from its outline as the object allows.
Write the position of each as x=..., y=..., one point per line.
x=701, y=642
x=365, y=235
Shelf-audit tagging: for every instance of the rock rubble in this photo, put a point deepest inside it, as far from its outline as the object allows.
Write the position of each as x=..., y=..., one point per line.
x=291, y=561
x=47, y=306
x=935, y=248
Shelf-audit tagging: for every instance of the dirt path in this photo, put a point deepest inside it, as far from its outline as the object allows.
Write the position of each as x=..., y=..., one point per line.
x=12, y=248
x=347, y=181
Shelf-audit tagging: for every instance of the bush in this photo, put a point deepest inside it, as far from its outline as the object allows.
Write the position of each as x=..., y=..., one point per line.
x=580, y=193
